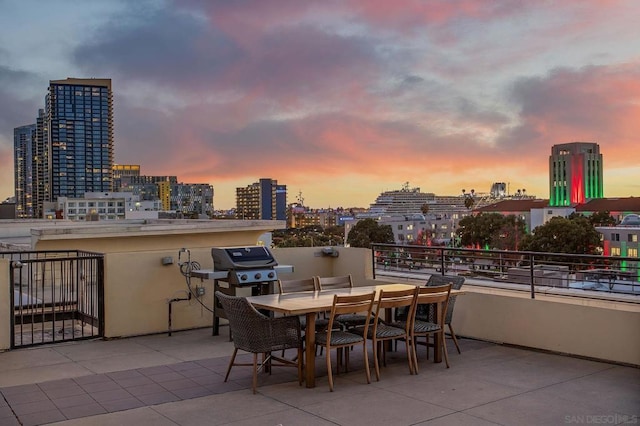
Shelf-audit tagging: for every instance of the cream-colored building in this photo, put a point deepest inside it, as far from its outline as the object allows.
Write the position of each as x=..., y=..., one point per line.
x=105, y=206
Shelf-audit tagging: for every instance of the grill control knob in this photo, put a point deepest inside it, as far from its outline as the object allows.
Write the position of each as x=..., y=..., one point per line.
x=271, y=275
x=243, y=277
x=258, y=276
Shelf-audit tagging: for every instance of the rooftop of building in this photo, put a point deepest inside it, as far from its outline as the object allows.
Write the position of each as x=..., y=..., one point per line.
x=514, y=205
x=158, y=379
x=611, y=204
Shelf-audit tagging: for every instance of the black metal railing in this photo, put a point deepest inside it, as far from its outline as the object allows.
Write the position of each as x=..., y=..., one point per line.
x=610, y=274
x=55, y=296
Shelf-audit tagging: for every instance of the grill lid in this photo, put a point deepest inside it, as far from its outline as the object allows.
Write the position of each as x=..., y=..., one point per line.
x=228, y=258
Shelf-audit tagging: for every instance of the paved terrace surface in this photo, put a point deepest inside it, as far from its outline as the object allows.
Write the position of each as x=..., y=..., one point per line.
x=160, y=380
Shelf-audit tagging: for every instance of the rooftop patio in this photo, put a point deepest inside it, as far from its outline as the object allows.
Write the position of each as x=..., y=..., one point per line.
x=138, y=374
x=178, y=380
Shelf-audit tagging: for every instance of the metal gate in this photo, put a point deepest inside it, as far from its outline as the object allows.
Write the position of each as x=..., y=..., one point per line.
x=56, y=296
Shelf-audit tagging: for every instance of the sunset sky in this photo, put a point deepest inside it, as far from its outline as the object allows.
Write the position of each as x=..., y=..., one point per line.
x=339, y=100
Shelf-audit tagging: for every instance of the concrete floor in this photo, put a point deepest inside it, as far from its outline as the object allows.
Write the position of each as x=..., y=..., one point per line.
x=178, y=380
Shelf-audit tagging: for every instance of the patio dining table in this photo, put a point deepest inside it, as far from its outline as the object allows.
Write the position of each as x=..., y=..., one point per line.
x=310, y=303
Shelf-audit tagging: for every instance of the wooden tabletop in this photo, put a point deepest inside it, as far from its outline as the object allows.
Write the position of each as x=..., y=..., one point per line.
x=304, y=302
x=314, y=301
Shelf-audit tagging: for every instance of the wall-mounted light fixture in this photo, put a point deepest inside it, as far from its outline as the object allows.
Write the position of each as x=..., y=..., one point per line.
x=167, y=260
x=330, y=252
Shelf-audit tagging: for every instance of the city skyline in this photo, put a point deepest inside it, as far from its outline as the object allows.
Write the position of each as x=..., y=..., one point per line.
x=339, y=100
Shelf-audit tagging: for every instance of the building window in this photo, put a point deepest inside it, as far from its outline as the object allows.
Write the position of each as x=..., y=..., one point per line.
x=615, y=237
x=399, y=227
x=632, y=252
x=632, y=238
x=615, y=251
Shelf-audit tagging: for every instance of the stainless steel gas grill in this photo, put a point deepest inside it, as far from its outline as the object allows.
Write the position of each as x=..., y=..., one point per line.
x=248, y=270
x=245, y=266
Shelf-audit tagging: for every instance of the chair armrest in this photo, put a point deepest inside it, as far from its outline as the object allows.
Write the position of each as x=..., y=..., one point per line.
x=285, y=331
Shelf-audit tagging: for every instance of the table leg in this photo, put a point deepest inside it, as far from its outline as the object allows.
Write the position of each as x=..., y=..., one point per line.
x=310, y=351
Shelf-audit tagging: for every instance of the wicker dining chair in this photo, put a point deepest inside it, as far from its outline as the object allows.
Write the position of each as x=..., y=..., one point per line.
x=380, y=332
x=456, y=283
x=336, y=338
x=256, y=333
x=433, y=296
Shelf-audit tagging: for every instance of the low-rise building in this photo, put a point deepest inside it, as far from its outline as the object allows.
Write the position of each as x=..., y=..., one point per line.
x=96, y=206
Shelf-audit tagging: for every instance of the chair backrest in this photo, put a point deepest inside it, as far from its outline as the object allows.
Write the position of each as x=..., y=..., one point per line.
x=435, y=295
x=456, y=283
x=352, y=304
x=294, y=286
x=455, y=280
x=328, y=283
x=249, y=328
x=398, y=299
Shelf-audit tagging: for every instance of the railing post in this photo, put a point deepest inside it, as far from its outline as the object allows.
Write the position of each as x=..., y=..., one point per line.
x=442, y=263
x=532, y=277
x=373, y=260
x=14, y=266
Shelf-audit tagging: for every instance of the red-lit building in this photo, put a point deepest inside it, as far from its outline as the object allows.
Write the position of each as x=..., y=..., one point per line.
x=575, y=173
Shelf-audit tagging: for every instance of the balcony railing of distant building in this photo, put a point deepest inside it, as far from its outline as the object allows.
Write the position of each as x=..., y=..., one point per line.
x=533, y=271
x=57, y=296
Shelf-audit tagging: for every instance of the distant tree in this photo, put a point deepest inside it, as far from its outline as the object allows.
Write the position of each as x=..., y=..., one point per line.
x=424, y=208
x=335, y=234
x=480, y=229
x=308, y=236
x=510, y=234
x=368, y=231
x=575, y=235
x=602, y=219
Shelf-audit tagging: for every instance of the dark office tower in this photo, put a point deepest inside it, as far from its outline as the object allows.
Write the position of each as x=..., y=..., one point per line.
x=41, y=167
x=24, y=145
x=575, y=173
x=79, y=123
x=262, y=200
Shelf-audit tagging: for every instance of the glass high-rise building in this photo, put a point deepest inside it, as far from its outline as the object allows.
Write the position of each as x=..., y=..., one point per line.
x=575, y=173
x=41, y=167
x=24, y=147
x=78, y=127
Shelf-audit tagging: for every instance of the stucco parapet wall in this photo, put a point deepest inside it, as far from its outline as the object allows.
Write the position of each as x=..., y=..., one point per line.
x=595, y=299
x=618, y=302
x=153, y=228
